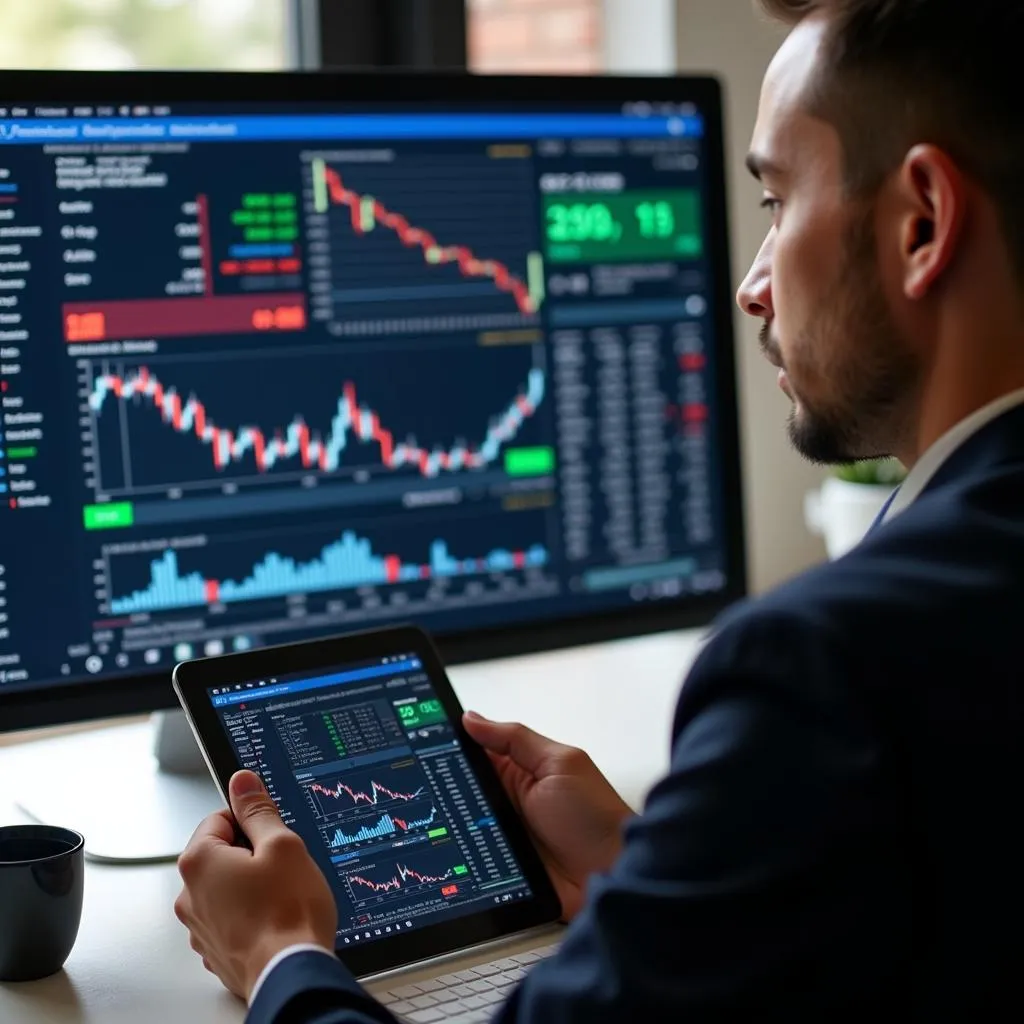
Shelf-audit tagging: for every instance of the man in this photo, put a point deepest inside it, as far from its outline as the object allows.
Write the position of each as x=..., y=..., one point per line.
x=836, y=836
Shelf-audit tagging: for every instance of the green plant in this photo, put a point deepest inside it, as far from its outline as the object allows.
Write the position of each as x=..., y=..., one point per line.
x=882, y=472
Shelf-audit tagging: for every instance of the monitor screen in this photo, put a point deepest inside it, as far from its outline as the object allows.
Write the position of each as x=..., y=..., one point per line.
x=273, y=371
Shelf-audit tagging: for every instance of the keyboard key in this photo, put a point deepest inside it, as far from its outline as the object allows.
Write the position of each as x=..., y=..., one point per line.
x=485, y=970
x=450, y=980
x=444, y=995
x=504, y=980
x=508, y=964
x=407, y=992
x=422, y=1002
x=480, y=985
x=467, y=976
x=427, y=1016
x=463, y=990
x=474, y=1003
x=547, y=951
x=463, y=1018
x=492, y=997
x=516, y=975
x=429, y=986
x=401, y=1009
x=526, y=958
x=386, y=999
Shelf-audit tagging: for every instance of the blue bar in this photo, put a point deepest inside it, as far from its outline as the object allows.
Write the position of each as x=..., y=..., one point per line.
x=3, y=488
x=3, y=472
x=303, y=686
x=243, y=252
x=2, y=453
x=612, y=579
x=8, y=189
x=594, y=314
x=347, y=126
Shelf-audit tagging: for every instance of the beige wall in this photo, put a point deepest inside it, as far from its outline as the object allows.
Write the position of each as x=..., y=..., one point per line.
x=727, y=38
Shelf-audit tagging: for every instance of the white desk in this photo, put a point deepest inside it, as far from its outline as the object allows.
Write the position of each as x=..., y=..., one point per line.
x=132, y=962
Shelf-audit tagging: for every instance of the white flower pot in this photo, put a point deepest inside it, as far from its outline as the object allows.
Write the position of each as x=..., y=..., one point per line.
x=843, y=512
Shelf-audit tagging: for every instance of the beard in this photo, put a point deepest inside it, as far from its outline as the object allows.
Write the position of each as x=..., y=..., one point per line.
x=869, y=371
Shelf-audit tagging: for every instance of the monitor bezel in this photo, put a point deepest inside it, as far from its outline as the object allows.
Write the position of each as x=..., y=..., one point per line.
x=137, y=694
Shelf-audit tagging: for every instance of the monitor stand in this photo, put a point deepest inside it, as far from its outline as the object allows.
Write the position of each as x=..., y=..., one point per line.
x=135, y=792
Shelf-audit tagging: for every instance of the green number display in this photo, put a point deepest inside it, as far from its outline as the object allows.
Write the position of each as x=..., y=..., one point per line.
x=641, y=224
x=656, y=220
x=582, y=222
x=422, y=713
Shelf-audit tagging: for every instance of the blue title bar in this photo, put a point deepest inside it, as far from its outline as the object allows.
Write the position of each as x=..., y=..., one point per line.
x=346, y=126
x=305, y=685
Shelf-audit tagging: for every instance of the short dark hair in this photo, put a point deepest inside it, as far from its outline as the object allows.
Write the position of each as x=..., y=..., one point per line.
x=895, y=73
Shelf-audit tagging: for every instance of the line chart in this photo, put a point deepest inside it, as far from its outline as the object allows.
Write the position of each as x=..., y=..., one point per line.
x=367, y=213
x=397, y=790
x=354, y=425
x=399, y=880
x=373, y=797
x=435, y=238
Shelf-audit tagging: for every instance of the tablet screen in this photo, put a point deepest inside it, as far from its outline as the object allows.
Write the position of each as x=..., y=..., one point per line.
x=363, y=762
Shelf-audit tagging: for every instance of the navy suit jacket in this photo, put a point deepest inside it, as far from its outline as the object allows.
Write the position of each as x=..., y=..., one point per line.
x=838, y=835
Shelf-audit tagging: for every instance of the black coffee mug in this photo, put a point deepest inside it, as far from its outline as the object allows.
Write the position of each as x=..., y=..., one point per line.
x=41, y=881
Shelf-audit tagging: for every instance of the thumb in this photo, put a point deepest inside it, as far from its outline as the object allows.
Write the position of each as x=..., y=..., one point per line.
x=255, y=812
x=526, y=748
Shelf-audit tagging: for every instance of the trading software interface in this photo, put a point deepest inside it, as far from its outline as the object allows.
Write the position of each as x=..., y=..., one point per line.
x=267, y=376
x=364, y=764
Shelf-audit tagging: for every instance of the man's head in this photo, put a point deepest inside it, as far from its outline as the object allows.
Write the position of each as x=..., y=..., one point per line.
x=890, y=143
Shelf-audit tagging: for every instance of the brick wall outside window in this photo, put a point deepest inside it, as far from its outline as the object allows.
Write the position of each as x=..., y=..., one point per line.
x=540, y=36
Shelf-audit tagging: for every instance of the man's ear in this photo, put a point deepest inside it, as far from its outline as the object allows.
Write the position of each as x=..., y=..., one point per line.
x=933, y=195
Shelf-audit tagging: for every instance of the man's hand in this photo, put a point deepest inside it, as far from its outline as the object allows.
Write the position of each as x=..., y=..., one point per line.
x=572, y=811
x=243, y=907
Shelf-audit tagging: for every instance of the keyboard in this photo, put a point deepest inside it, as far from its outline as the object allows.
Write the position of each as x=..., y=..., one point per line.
x=466, y=997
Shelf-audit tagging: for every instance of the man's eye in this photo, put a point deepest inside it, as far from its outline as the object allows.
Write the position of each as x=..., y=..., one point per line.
x=768, y=203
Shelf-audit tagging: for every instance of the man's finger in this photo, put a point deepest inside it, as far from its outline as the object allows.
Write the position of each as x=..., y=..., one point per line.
x=255, y=812
x=526, y=748
x=216, y=829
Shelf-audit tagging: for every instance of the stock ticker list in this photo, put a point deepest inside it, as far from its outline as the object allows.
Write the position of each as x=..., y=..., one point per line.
x=255, y=392
x=374, y=779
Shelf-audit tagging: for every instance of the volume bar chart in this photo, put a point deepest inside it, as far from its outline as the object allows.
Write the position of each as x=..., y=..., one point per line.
x=384, y=827
x=347, y=563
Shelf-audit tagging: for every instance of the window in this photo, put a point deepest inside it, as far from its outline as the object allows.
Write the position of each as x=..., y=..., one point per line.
x=112, y=34
x=542, y=36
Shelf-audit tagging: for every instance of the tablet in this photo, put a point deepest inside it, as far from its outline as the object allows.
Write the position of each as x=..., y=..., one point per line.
x=359, y=740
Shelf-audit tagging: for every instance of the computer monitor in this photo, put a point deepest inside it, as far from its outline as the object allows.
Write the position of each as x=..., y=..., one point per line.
x=288, y=355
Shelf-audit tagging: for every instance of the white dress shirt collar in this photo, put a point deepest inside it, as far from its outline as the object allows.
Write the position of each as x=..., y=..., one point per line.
x=933, y=459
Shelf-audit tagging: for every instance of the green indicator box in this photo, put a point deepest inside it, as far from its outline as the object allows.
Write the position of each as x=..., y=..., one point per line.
x=286, y=234
x=461, y=870
x=109, y=517
x=529, y=461
x=259, y=234
x=633, y=225
x=242, y=218
x=437, y=833
x=256, y=201
x=22, y=453
x=283, y=200
x=421, y=713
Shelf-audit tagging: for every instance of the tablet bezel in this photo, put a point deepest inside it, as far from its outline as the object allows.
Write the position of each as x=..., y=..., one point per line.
x=191, y=681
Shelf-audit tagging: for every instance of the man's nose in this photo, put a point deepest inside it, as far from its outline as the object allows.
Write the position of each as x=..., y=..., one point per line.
x=755, y=294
